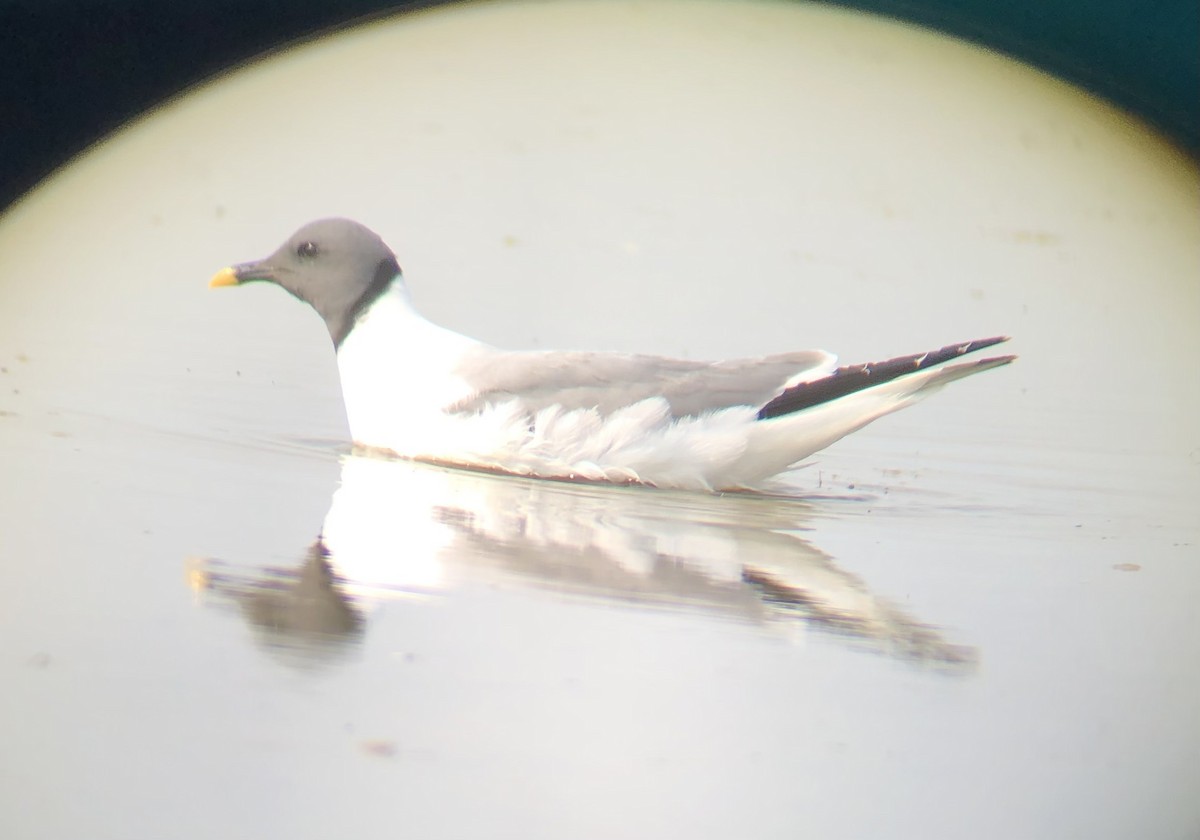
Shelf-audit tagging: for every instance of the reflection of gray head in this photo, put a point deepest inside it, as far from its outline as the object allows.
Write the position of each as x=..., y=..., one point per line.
x=337, y=266
x=302, y=616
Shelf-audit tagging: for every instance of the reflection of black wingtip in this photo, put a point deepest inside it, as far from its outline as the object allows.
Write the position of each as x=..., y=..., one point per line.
x=852, y=378
x=889, y=630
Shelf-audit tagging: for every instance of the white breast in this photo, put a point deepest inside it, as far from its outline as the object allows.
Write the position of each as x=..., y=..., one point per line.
x=397, y=372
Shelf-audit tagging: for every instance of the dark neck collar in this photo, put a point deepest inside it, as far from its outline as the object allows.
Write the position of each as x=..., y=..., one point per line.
x=341, y=323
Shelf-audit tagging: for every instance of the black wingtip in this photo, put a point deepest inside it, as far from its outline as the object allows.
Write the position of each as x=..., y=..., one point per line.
x=980, y=343
x=847, y=380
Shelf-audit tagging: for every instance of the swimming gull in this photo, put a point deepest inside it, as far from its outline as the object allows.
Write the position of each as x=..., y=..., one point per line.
x=422, y=391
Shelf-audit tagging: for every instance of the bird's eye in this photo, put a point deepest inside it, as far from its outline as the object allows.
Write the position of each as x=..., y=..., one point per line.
x=307, y=250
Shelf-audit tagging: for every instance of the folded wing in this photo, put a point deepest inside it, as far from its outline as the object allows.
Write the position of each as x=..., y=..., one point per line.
x=610, y=381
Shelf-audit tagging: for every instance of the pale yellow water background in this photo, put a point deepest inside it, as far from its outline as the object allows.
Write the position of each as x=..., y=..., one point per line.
x=976, y=620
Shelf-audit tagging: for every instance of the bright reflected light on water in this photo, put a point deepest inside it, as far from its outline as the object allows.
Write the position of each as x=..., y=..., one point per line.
x=398, y=530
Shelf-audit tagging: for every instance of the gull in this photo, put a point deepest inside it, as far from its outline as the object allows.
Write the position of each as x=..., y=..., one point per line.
x=420, y=391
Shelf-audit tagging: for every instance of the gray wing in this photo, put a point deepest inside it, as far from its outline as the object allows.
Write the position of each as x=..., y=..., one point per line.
x=609, y=381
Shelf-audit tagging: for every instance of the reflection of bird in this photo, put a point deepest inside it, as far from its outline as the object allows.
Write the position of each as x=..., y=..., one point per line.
x=397, y=530
x=301, y=610
x=424, y=392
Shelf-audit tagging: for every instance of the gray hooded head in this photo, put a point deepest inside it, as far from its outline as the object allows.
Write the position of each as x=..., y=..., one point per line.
x=337, y=266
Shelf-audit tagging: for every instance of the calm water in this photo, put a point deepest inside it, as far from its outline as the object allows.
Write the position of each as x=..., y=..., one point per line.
x=975, y=618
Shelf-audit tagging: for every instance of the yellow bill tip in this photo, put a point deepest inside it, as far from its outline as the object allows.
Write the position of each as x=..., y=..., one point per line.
x=224, y=277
